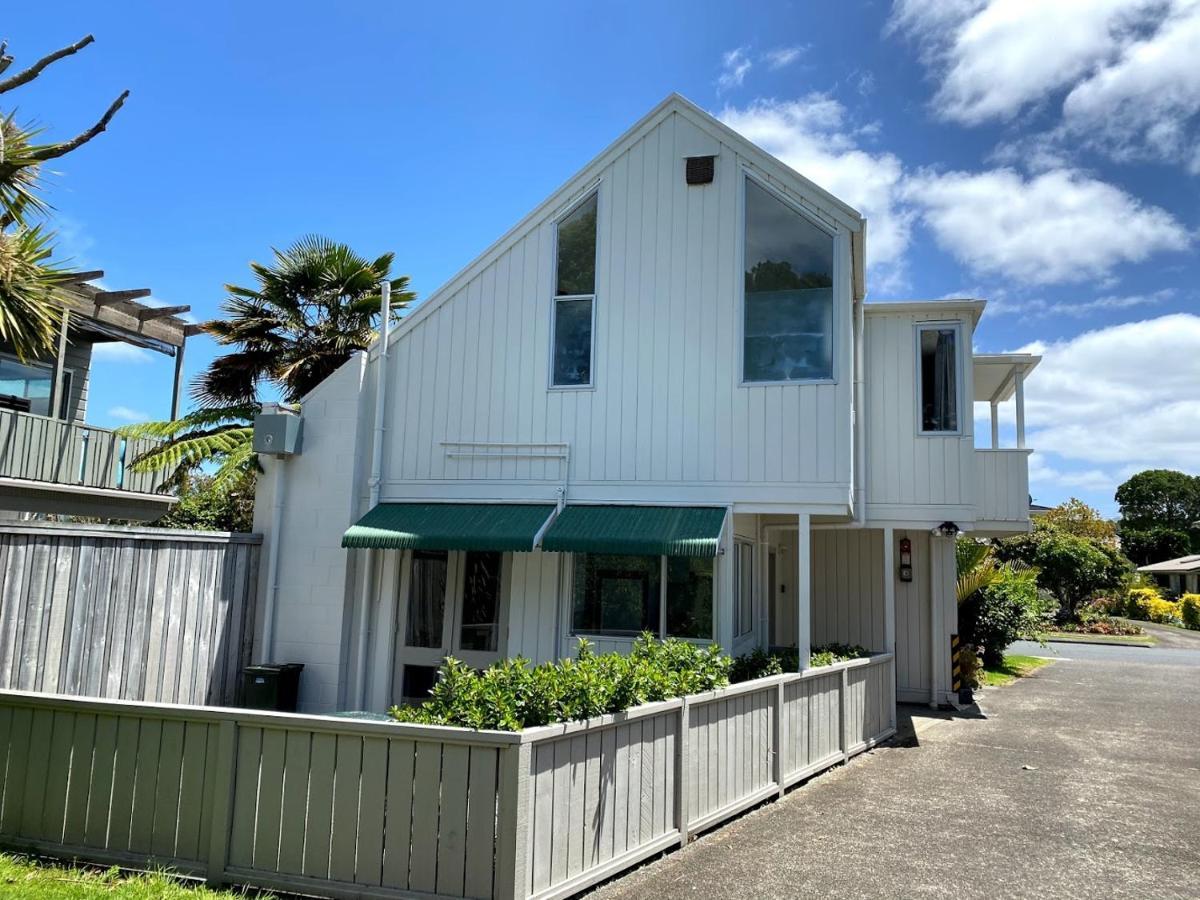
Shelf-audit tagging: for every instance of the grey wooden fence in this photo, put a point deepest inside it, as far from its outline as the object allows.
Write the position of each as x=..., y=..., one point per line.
x=347, y=808
x=47, y=449
x=151, y=614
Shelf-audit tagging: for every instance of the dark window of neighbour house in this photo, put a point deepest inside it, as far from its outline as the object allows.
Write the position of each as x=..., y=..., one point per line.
x=788, y=322
x=575, y=296
x=481, y=601
x=939, y=379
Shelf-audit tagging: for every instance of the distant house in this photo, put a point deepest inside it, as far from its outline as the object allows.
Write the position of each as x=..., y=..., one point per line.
x=1179, y=576
x=658, y=403
x=51, y=460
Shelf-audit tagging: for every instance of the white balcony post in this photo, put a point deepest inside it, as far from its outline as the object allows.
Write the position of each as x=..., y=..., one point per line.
x=889, y=590
x=803, y=590
x=995, y=425
x=1020, y=410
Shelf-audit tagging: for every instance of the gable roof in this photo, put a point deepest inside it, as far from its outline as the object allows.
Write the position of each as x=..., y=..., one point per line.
x=1174, y=566
x=585, y=179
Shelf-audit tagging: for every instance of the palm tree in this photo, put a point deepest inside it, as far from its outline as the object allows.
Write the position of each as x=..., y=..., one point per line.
x=309, y=311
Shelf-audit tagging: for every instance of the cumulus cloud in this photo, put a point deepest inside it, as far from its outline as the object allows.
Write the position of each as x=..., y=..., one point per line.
x=1095, y=402
x=1039, y=308
x=782, y=57
x=1123, y=71
x=734, y=66
x=127, y=414
x=815, y=137
x=1057, y=226
x=116, y=351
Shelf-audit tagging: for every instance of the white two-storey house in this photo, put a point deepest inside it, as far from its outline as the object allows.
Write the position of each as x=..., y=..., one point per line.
x=659, y=403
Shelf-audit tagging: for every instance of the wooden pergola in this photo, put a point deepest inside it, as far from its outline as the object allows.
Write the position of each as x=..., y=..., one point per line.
x=106, y=315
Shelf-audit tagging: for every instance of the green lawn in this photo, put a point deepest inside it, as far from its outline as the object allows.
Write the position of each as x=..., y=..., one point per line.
x=1013, y=667
x=29, y=880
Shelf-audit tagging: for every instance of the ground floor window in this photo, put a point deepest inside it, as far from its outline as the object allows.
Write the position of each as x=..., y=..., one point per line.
x=743, y=588
x=622, y=596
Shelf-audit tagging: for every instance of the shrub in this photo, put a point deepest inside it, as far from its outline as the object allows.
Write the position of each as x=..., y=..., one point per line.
x=1101, y=623
x=1189, y=610
x=1009, y=608
x=760, y=663
x=511, y=694
x=1148, y=605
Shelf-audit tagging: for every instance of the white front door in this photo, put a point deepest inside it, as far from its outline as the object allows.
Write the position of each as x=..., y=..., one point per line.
x=449, y=604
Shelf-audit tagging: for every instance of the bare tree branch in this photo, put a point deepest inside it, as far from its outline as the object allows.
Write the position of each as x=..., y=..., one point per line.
x=5, y=59
x=36, y=69
x=54, y=151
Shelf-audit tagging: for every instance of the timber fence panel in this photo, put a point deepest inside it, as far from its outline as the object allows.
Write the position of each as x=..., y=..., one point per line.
x=126, y=613
x=346, y=808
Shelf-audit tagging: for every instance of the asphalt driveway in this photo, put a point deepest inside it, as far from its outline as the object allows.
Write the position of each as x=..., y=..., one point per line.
x=1083, y=781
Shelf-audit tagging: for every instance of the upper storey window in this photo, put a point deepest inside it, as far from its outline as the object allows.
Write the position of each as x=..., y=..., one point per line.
x=788, y=323
x=574, y=296
x=938, y=348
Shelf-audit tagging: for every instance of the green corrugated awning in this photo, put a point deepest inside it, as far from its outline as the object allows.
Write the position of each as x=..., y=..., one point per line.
x=449, y=526
x=643, y=530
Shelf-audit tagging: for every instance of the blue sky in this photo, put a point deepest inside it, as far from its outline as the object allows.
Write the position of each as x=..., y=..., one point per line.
x=1042, y=158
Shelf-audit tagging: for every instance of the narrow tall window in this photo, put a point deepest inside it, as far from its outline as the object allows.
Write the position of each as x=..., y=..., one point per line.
x=743, y=588
x=788, y=326
x=574, y=296
x=939, y=379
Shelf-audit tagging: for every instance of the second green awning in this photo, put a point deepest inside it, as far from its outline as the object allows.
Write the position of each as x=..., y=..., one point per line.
x=641, y=530
x=449, y=526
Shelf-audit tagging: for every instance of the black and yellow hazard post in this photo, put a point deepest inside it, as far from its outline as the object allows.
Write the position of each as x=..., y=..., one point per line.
x=956, y=678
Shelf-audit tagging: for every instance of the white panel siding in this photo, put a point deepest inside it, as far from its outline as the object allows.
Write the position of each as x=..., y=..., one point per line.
x=1003, y=487
x=666, y=408
x=912, y=621
x=847, y=587
x=533, y=606
x=909, y=475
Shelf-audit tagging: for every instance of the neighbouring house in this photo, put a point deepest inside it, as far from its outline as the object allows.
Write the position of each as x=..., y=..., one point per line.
x=1179, y=576
x=51, y=460
x=658, y=403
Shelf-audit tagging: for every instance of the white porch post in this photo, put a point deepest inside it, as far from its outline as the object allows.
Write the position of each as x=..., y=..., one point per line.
x=803, y=590
x=889, y=590
x=1020, y=410
x=726, y=628
x=995, y=425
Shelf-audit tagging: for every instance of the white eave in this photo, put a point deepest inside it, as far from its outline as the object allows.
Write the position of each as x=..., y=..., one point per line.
x=996, y=374
x=971, y=306
x=1182, y=566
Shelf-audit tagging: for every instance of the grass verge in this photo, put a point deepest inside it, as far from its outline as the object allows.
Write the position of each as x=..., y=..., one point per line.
x=1013, y=667
x=35, y=880
x=1123, y=640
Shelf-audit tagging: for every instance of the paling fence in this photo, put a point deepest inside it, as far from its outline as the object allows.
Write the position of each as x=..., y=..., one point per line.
x=349, y=808
x=137, y=613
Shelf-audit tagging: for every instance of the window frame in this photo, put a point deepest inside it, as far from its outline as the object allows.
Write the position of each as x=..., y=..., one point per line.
x=838, y=276
x=739, y=547
x=69, y=378
x=556, y=298
x=959, y=373
x=661, y=634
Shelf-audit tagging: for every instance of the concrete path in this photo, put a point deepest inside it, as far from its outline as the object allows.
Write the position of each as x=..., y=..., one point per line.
x=1083, y=781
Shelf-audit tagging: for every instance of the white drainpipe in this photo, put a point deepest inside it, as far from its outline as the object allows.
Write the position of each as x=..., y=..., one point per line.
x=374, y=482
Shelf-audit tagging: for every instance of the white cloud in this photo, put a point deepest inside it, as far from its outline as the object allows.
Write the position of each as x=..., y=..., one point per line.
x=1043, y=474
x=1038, y=308
x=120, y=352
x=1057, y=226
x=734, y=66
x=126, y=414
x=782, y=56
x=814, y=136
x=1117, y=400
x=1125, y=70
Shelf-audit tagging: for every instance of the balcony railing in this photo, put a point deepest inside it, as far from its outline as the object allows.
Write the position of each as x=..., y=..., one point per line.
x=37, y=448
x=1002, y=477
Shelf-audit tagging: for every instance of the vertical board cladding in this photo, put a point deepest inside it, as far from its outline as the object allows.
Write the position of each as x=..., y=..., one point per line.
x=847, y=587
x=912, y=621
x=904, y=468
x=135, y=614
x=666, y=406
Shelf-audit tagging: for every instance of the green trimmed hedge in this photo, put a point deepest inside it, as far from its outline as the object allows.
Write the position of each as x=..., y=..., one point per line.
x=760, y=663
x=512, y=694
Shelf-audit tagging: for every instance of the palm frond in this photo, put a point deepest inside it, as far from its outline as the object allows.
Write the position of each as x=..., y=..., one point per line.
x=197, y=419
x=29, y=291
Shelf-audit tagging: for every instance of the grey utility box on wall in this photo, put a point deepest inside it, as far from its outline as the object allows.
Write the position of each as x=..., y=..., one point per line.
x=277, y=431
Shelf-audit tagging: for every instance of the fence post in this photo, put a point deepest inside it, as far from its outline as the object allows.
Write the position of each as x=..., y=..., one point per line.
x=512, y=825
x=681, y=775
x=220, y=823
x=843, y=691
x=778, y=766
